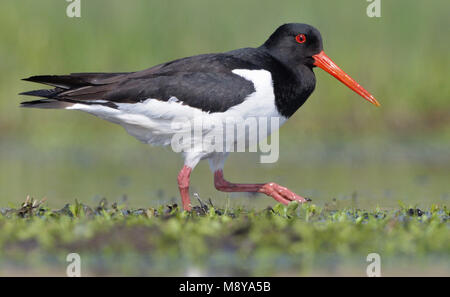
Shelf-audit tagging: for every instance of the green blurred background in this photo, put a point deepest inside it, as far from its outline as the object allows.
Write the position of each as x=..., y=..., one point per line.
x=336, y=146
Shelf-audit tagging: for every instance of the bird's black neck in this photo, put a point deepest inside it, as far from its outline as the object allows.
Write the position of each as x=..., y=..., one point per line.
x=292, y=91
x=293, y=84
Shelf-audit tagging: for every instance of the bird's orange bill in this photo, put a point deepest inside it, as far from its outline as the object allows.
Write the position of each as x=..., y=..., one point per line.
x=324, y=62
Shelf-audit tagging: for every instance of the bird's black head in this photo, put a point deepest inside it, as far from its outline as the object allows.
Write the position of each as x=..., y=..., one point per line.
x=299, y=45
x=295, y=44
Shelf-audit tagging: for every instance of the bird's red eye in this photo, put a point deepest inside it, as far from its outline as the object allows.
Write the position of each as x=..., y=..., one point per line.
x=300, y=38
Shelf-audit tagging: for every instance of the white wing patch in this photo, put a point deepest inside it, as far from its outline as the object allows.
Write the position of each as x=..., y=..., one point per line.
x=260, y=103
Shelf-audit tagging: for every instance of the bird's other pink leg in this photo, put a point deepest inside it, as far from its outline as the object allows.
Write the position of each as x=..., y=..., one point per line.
x=183, y=186
x=277, y=192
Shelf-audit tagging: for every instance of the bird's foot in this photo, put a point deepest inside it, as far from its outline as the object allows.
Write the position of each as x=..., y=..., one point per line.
x=281, y=194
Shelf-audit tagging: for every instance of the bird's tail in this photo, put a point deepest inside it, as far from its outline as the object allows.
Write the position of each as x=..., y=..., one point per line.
x=69, y=89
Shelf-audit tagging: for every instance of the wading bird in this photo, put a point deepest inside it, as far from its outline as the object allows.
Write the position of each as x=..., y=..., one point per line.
x=273, y=80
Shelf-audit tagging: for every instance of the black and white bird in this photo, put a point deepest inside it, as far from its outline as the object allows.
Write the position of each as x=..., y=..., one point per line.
x=271, y=81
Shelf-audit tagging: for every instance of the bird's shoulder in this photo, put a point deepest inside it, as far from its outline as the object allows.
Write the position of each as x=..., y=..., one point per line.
x=206, y=63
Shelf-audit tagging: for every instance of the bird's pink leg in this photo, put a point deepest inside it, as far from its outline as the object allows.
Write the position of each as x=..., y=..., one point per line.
x=183, y=186
x=277, y=192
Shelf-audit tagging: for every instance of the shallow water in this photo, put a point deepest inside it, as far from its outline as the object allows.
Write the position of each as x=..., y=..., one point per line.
x=336, y=145
x=363, y=173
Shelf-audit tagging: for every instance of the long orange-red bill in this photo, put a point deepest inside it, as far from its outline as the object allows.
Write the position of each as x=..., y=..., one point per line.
x=324, y=62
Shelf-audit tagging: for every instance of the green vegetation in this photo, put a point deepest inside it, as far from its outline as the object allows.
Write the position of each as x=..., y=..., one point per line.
x=283, y=240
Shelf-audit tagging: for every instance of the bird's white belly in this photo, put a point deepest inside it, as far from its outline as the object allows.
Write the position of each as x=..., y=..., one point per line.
x=158, y=122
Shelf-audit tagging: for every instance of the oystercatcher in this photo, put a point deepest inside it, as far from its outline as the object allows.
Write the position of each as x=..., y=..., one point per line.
x=273, y=80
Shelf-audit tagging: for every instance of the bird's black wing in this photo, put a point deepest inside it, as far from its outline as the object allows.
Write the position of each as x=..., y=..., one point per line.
x=205, y=82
